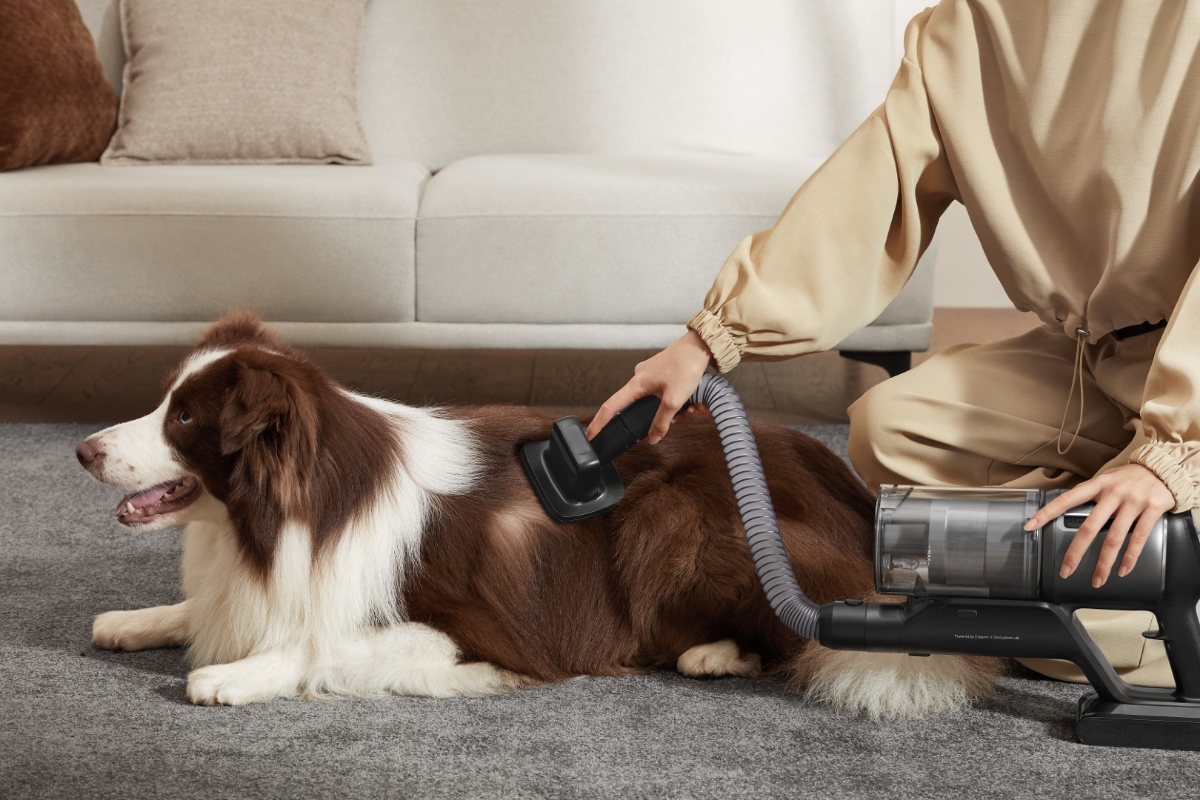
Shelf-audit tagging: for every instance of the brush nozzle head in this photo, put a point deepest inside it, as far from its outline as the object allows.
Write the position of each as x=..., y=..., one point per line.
x=568, y=477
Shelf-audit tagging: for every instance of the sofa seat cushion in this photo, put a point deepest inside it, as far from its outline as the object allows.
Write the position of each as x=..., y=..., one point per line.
x=591, y=238
x=177, y=243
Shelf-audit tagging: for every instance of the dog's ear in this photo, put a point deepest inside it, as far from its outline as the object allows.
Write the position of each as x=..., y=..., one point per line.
x=268, y=428
x=270, y=407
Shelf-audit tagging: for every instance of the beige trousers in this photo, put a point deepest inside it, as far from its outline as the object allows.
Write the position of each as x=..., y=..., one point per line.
x=989, y=415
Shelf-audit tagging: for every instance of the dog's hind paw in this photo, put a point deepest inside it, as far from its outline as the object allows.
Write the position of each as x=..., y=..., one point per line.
x=717, y=660
x=472, y=679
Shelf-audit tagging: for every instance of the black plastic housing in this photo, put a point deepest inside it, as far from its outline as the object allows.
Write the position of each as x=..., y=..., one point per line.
x=1117, y=713
x=1164, y=727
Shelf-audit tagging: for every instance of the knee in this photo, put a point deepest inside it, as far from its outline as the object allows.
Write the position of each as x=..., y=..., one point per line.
x=877, y=433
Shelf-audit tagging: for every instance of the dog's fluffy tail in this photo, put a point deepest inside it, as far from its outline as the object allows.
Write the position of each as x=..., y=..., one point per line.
x=890, y=685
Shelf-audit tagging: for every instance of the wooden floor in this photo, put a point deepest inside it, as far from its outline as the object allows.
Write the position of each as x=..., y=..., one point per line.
x=110, y=384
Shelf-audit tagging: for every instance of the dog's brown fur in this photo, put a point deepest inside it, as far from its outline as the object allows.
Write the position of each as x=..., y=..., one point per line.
x=667, y=570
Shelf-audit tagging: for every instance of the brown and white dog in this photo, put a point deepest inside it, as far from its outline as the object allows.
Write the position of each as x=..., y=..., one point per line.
x=337, y=544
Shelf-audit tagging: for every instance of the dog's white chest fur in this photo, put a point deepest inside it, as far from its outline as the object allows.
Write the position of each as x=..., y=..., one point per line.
x=321, y=602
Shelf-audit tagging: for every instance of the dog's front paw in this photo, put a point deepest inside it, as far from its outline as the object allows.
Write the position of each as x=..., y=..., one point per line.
x=220, y=685
x=120, y=630
x=142, y=628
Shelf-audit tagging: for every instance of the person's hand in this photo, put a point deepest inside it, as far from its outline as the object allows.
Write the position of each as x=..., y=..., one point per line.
x=671, y=375
x=1126, y=494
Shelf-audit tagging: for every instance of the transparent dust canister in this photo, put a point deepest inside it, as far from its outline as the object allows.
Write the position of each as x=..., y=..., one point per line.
x=934, y=541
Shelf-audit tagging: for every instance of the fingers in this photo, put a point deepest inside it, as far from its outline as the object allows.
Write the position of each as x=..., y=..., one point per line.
x=662, y=421
x=1063, y=503
x=671, y=375
x=1126, y=516
x=1131, y=493
x=1086, y=533
x=613, y=406
x=635, y=390
x=665, y=416
x=1141, y=533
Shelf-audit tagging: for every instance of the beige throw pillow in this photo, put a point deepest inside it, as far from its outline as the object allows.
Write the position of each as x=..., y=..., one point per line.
x=240, y=82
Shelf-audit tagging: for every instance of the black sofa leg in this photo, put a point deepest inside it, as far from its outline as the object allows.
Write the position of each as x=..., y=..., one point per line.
x=894, y=361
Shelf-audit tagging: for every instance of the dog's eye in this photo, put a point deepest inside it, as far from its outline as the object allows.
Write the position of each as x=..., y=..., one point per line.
x=184, y=417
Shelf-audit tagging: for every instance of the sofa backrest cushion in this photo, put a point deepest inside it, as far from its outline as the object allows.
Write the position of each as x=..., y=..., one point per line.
x=445, y=79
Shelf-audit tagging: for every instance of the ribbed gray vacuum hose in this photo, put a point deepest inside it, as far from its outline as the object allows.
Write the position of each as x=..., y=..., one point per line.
x=754, y=503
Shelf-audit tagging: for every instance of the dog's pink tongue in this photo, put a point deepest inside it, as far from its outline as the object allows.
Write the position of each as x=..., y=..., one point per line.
x=131, y=503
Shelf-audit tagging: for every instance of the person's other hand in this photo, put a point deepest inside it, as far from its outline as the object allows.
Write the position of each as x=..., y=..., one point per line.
x=671, y=375
x=1127, y=494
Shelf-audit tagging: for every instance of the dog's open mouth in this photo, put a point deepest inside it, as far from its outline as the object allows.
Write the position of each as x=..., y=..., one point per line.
x=165, y=498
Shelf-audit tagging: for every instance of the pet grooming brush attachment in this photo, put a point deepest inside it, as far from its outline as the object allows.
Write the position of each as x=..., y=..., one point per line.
x=575, y=478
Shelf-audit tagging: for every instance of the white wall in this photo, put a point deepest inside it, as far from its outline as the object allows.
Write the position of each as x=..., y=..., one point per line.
x=963, y=278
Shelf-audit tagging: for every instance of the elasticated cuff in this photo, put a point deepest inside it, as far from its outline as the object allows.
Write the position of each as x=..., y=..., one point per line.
x=1163, y=461
x=725, y=352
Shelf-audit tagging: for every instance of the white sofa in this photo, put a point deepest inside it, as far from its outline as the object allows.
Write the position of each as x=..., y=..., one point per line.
x=548, y=173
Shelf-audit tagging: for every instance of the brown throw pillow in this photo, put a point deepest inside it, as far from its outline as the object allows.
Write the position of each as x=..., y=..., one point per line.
x=240, y=82
x=55, y=105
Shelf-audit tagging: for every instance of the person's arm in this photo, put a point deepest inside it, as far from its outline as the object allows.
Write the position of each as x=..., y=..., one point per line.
x=1171, y=404
x=848, y=240
x=1163, y=474
x=841, y=251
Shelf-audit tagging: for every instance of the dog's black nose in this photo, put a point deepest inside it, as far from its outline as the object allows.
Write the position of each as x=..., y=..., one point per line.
x=87, y=453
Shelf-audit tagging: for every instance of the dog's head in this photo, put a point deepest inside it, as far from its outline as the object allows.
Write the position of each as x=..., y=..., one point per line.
x=237, y=425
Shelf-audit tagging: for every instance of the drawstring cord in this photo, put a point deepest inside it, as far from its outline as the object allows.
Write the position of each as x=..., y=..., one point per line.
x=1081, y=335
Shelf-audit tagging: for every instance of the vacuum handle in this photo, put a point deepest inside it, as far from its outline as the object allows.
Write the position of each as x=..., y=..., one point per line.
x=1180, y=627
x=1180, y=632
x=626, y=429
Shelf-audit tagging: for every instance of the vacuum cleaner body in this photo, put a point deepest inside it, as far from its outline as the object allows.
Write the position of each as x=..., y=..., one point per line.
x=974, y=581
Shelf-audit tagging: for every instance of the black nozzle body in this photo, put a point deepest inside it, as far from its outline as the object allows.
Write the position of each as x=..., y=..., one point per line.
x=626, y=429
x=857, y=625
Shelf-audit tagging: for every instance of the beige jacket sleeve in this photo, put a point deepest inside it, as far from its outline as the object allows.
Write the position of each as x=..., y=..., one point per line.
x=1171, y=404
x=846, y=243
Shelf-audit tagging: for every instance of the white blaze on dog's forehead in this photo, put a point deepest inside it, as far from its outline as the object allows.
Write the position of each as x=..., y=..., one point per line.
x=196, y=362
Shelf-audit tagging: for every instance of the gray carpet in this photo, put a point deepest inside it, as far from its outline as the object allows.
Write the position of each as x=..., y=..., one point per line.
x=80, y=722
